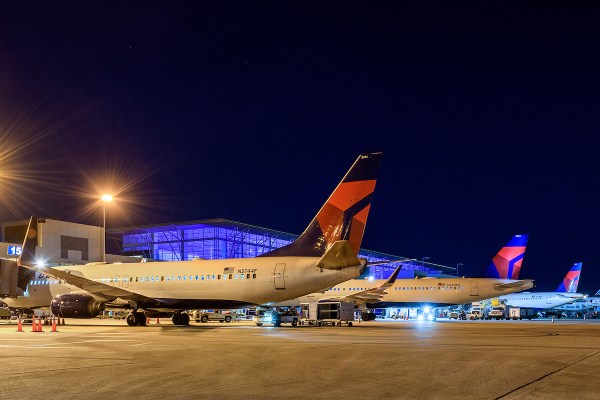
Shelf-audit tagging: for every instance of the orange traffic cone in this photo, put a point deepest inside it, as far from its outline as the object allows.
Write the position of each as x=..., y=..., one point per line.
x=33, y=324
x=40, y=327
x=157, y=321
x=20, y=326
x=54, y=325
x=63, y=321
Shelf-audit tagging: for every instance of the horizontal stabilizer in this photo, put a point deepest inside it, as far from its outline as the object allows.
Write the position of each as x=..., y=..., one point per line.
x=339, y=255
x=526, y=284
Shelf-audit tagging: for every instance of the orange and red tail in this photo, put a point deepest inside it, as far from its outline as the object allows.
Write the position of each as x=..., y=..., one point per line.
x=344, y=214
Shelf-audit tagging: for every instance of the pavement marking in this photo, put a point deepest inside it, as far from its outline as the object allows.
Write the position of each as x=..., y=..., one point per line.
x=547, y=375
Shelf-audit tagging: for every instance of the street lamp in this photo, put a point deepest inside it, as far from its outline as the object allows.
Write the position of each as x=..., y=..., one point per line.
x=106, y=198
x=461, y=264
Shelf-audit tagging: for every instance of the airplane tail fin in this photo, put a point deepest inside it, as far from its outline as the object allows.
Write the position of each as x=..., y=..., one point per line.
x=344, y=214
x=571, y=280
x=507, y=263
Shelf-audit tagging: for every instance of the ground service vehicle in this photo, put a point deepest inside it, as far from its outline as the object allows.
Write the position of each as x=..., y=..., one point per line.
x=327, y=312
x=200, y=316
x=497, y=312
x=474, y=314
x=521, y=313
x=276, y=318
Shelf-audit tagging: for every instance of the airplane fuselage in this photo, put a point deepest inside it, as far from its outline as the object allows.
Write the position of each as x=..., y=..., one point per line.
x=540, y=300
x=419, y=292
x=230, y=283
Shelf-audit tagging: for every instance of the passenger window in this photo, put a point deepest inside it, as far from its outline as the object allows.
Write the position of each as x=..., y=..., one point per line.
x=236, y=276
x=247, y=276
x=196, y=277
x=202, y=277
x=253, y=276
x=230, y=275
x=184, y=278
x=218, y=276
x=213, y=277
x=162, y=278
x=168, y=278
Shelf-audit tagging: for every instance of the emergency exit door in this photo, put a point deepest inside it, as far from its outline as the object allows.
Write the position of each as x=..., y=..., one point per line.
x=279, y=276
x=474, y=288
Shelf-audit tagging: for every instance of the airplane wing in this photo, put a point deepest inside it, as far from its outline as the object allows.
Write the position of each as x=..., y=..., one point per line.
x=99, y=289
x=373, y=294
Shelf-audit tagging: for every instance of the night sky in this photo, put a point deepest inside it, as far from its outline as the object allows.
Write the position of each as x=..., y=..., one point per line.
x=488, y=118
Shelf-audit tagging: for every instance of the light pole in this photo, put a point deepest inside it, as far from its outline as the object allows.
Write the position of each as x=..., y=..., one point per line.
x=461, y=264
x=423, y=261
x=106, y=198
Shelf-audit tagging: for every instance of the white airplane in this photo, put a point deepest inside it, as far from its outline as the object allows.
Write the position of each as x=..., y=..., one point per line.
x=324, y=255
x=582, y=305
x=566, y=293
x=430, y=292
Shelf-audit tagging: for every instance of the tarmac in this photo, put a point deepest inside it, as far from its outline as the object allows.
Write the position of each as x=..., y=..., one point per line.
x=105, y=359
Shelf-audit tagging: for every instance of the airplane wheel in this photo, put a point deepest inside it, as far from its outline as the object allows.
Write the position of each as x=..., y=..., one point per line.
x=185, y=319
x=140, y=318
x=131, y=320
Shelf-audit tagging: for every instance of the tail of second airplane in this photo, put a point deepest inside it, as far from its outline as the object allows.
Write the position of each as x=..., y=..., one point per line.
x=507, y=263
x=344, y=214
x=571, y=280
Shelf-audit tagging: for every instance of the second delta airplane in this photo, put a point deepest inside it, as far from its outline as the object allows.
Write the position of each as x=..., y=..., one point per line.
x=500, y=277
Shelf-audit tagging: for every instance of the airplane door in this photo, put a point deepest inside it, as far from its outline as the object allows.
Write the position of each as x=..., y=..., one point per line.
x=279, y=276
x=474, y=288
x=117, y=281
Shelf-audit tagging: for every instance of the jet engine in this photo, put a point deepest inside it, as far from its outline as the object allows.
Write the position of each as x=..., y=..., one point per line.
x=76, y=306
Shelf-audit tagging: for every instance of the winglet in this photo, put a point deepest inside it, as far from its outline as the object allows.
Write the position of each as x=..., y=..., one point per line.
x=390, y=281
x=571, y=280
x=507, y=263
x=339, y=255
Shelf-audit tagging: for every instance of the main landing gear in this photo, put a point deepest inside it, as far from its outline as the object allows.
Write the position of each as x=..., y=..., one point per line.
x=181, y=319
x=136, y=318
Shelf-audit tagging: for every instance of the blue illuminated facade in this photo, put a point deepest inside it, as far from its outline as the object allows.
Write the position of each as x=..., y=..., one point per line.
x=220, y=238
